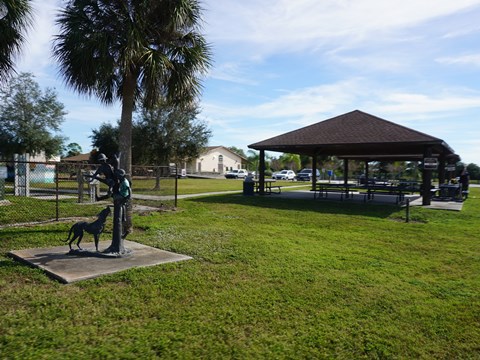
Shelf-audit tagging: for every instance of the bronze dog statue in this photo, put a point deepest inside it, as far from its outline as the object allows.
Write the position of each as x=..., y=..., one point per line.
x=95, y=228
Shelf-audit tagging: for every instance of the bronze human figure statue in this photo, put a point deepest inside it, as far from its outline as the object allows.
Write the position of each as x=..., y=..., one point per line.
x=122, y=193
x=119, y=189
x=108, y=178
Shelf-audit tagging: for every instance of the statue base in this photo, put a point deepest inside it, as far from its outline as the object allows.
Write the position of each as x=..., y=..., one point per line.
x=101, y=254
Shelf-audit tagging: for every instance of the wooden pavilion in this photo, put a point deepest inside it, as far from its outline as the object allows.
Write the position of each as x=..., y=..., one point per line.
x=360, y=136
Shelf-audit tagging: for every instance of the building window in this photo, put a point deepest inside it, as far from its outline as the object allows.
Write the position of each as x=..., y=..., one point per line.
x=220, y=159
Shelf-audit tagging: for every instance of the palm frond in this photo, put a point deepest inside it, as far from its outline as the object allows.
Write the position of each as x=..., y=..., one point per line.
x=17, y=20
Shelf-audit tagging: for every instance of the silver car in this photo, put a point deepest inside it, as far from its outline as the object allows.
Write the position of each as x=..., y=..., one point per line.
x=284, y=175
x=236, y=174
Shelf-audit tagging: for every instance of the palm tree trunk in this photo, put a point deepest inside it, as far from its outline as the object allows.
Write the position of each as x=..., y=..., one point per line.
x=125, y=137
x=125, y=140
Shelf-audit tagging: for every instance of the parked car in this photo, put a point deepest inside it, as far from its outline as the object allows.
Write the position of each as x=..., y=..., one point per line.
x=284, y=175
x=306, y=174
x=236, y=174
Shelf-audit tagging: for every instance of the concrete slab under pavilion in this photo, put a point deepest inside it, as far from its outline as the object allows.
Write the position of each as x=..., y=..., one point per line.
x=415, y=200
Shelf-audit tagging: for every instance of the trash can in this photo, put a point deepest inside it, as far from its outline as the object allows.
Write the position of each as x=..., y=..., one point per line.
x=248, y=188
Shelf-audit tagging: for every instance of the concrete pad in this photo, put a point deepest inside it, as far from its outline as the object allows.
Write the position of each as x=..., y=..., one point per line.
x=68, y=268
x=439, y=205
x=415, y=200
x=335, y=196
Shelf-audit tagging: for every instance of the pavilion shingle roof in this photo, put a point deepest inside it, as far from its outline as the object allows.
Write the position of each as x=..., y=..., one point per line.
x=354, y=133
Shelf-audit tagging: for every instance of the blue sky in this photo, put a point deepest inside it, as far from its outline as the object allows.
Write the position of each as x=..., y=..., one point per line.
x=279, y=65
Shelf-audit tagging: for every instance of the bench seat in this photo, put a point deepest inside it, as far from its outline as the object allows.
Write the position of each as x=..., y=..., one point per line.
x=279, y=187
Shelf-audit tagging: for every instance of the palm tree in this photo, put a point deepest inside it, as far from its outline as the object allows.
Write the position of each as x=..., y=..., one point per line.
x=253, y=160
x=15, y=19
x=290, y=161
x=132, y=51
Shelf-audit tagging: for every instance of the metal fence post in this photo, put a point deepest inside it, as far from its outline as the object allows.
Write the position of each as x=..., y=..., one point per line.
x=80, y=184
x=57, y=210
x=407, y=211
x=176, y=184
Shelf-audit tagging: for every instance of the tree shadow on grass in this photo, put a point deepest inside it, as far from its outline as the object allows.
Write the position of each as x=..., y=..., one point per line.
x=22, y=230
x=10, y=264
x=30, y=237
x=320, y=206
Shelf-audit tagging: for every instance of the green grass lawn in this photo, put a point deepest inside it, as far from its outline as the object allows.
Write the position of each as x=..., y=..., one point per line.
x=32, y=209
x=198, y=186
x=167, y=186
x=270, y=278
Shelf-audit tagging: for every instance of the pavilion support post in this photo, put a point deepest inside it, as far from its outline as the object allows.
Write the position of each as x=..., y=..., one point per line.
x=345, y=171
x=261, y=178
x=314, y=171
x=426, y=179
x=345, y=176
x=441, y=169
x=366, y=172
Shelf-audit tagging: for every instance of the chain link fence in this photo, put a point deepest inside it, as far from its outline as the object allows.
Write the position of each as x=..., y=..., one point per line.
x=46, y=191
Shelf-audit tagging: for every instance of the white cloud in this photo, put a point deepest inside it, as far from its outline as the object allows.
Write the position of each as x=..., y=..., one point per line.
x=92, y=115
x=285, y=25
x=300, y=103
x=37, y=54
x=231, y=72
x=312, y=104
x=467, y=29
x=301, y=107
x=415, y=103
x=472, y=59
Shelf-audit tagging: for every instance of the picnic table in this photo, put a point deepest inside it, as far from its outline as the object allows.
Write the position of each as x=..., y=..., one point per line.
x=269, y=184
x=321, y=190
x=448, y=192
x=388, y=189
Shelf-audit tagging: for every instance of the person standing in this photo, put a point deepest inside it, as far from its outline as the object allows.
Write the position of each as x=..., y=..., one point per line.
x=465, y=182
x=122, y=193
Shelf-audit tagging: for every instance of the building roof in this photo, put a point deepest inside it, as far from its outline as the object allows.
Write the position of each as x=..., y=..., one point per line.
x=211, y=148
x=78, y=158
x=357, y=135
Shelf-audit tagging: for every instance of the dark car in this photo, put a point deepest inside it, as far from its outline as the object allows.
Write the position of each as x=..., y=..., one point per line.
x=306, y=174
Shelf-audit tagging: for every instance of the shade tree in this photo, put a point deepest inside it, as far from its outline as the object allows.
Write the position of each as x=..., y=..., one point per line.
x=30, y=118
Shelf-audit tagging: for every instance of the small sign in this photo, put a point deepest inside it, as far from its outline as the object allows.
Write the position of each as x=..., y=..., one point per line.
x=3, y=172
x=173, y=169
x=450, y=167
x=430, y=163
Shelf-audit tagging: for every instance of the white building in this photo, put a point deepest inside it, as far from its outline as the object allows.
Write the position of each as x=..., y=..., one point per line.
x=41, y=157
x=216, y=160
